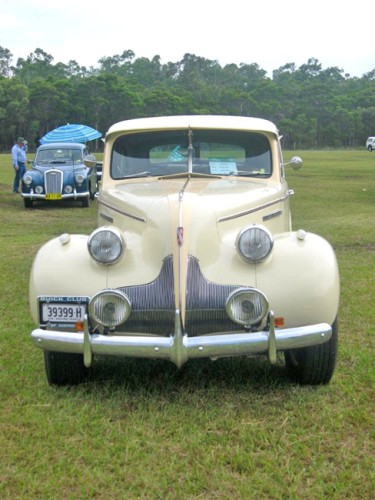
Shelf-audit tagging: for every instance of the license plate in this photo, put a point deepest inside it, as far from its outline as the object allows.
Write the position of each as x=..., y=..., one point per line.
x=53, y=196
x=63, y=312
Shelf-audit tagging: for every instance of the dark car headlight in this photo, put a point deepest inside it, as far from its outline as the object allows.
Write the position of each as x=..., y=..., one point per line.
x=27, y=179
x=80, y=178
x=254, y=243
x=105, y=245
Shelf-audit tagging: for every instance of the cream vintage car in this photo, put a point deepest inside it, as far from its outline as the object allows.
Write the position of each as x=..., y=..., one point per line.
x=194, y=257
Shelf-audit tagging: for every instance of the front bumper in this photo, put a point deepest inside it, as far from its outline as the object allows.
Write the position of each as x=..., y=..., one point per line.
x=70, y=196
x=179, y=347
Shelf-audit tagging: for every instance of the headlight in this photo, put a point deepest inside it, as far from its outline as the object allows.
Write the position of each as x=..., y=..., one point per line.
x=254, y=243
x=105, y=245
x=110, y=308
x=246, y=306
x=68, y=189
x=79, y=178
x=39, y=189
x=27, y=179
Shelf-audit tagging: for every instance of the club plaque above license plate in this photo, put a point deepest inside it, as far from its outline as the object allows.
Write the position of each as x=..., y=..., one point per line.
x=62, y=311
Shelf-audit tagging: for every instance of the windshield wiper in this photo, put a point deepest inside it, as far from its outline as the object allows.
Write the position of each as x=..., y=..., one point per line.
x=246, y=173
x=141, y=174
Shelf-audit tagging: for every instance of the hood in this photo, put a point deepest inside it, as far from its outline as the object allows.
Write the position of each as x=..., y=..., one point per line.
x=66, y=167
x=197, y=217
x=218, y=198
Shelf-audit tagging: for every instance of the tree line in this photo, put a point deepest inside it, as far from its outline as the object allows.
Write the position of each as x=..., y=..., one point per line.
x=312, y=107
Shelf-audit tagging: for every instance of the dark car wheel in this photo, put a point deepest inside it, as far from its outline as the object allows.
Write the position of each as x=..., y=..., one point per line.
x=370, y=148
x=86, y=202
x=28, y=203
x=313, y=365
x=64, y=368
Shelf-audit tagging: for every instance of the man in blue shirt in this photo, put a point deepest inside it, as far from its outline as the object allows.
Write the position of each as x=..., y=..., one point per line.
x=19, y=162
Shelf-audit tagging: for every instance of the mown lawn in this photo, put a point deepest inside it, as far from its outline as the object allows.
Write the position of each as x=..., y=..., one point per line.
x=236, y=428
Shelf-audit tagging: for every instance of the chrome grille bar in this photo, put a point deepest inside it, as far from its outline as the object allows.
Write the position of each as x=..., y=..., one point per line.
x=53, y=181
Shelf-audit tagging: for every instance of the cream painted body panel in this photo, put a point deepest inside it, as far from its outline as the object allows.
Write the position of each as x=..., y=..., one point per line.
x=299, y=278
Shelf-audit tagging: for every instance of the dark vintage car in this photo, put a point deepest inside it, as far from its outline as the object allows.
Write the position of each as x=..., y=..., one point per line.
x=59, y=173
x=194, y=257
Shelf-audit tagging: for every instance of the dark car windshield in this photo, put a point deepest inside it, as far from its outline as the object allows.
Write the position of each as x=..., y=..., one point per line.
x=59, y=155
x=211, y=152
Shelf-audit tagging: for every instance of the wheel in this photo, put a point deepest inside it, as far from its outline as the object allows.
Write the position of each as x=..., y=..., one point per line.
x=64, y=368
x=28, y=203
x=92, y=194
x=370, y=148
x=86, y=202
x=313, y=365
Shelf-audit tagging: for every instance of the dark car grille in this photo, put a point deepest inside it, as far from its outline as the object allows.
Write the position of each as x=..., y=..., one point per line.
x=53, y=181
x=205, y=303
x=153, y=309
x=152, y=304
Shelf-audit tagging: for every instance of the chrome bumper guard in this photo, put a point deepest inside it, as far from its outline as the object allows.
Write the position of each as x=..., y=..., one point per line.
x=179, y=347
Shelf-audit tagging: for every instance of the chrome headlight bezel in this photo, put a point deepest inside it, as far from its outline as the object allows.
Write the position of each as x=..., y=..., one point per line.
x=109, y=308
x=254, y=243
x=106, y=245
x=247, y=306
x=27, y=179
x=79, y=178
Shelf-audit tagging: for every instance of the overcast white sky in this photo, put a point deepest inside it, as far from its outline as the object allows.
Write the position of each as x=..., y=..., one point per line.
x=270, y=33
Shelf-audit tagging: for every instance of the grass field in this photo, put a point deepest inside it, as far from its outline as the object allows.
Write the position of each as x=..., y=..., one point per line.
x=236, y=428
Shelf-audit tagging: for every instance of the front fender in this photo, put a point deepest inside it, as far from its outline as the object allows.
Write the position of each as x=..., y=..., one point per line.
x=301, y=279
x=63, y=267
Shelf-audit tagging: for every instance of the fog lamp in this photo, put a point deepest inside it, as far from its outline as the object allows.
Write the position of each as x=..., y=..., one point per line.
x=246, y=306
x=110, y=308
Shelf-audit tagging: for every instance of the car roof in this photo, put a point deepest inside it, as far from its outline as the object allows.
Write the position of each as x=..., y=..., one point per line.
x=62, y=145
x=220, y=122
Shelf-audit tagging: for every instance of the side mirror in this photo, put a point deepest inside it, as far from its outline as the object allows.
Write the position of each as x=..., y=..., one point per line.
x=295, y=163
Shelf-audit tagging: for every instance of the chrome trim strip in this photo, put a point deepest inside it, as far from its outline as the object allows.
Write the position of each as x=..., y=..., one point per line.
x=179, y=347
x=252, y=210
x=135, y=217
x=106, y=217
x=272, y=215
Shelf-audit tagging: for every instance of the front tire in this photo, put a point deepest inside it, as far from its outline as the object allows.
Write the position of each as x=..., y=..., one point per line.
x=64, y=368
x=28, y=203
x=314, y=365
x=86, y=202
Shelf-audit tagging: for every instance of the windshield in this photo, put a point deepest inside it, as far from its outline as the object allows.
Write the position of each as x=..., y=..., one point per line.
x=59, y=155
x=211, y=152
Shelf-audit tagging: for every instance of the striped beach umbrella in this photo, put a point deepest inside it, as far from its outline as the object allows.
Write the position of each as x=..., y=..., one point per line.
x=72, y=132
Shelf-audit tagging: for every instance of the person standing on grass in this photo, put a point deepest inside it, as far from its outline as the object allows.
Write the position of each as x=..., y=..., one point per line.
x=19, y=162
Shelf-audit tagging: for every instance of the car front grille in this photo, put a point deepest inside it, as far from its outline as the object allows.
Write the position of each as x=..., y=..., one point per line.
x=152, y=304
x=53, y=181
x=205, y=303
x=153, y=308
